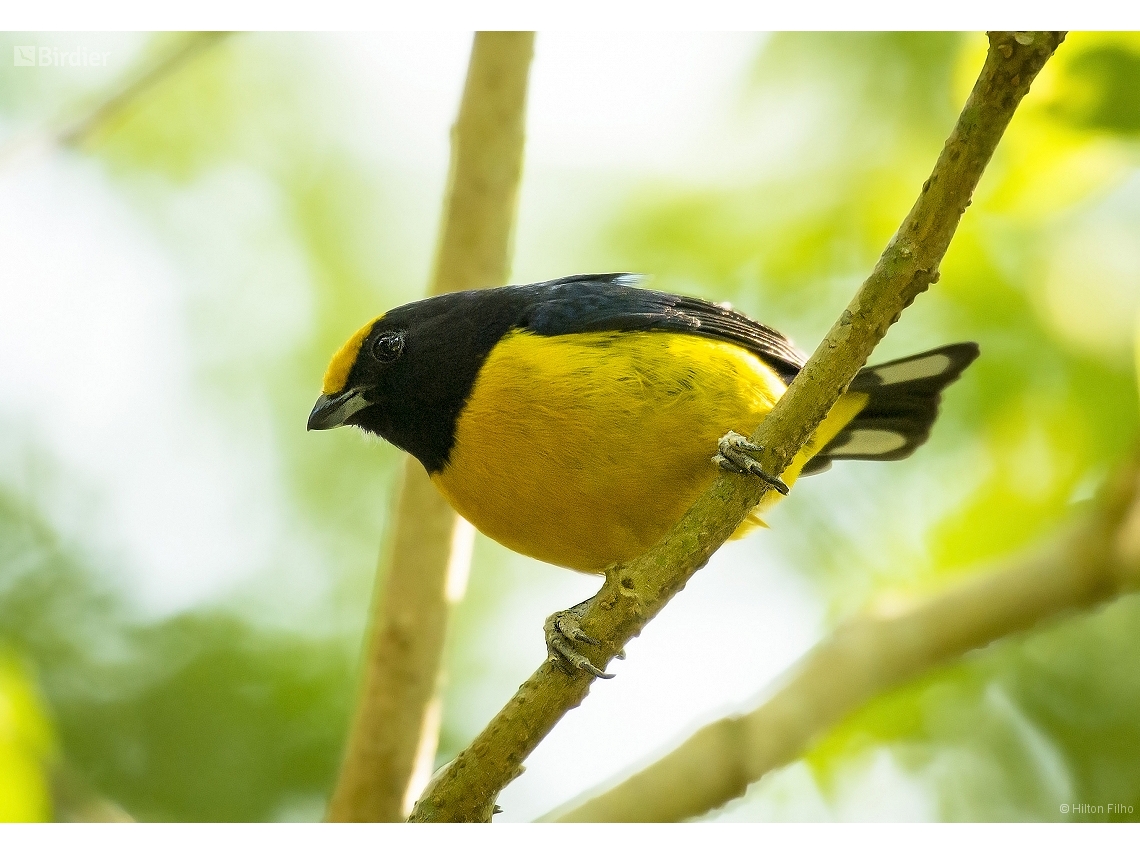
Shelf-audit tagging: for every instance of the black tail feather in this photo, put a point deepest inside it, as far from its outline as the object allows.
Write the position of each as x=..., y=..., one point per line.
x=904, y=397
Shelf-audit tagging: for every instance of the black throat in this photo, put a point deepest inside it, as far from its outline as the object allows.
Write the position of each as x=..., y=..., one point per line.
x=418, y=399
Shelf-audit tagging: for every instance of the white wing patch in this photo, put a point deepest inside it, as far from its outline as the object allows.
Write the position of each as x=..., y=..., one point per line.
x=914, y=369
x=864, y=441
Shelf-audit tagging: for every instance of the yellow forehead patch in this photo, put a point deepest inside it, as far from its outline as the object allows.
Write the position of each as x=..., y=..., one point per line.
x=336, y=376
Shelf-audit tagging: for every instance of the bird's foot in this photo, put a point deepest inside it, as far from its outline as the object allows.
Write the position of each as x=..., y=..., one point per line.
x=562, y=630
x=735, y=454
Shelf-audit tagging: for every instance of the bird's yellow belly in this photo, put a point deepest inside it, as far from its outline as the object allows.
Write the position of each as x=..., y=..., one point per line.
x=583, y=450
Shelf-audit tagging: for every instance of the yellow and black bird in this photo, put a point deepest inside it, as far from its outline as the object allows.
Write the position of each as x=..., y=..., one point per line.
x=577, y=420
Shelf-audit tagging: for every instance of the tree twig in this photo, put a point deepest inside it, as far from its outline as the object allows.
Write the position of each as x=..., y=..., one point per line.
x=78, y=131
x=391, y=746
x=465, y=789
x=74, y=800
x=1099, y=558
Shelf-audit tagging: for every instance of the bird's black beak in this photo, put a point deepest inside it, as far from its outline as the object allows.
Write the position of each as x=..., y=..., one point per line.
x=332, y=411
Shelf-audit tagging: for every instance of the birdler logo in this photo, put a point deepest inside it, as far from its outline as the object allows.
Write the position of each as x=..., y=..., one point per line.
x=41, y=55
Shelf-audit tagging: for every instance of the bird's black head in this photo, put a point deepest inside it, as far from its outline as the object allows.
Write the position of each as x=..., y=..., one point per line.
x=406, y=375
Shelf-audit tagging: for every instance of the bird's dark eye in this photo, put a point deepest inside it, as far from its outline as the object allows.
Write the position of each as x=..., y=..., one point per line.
x=388, y=347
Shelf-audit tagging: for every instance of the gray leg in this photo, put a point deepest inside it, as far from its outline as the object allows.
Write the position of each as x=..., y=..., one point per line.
x=562, y=630
x=734, y=454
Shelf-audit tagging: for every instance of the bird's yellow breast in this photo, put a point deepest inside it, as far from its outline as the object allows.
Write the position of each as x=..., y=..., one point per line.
x=585, y=449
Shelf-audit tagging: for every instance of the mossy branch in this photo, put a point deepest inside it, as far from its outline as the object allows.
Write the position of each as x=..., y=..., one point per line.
x=1095, y=561
x=393, y=737
x=466, y=789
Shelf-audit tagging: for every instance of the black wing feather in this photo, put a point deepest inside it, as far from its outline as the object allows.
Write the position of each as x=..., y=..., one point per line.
x=606, y=302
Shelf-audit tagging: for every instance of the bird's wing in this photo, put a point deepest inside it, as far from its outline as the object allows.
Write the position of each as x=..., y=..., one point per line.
x=605, y=302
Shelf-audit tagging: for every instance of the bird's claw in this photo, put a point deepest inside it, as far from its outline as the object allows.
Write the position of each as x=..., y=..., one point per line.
x=562, y=630
x=735, y=454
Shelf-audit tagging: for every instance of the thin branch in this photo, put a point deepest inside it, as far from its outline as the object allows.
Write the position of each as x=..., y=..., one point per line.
x=391, y=746
x=82, y=129
x=1097, y=560
x=465, y=789
x=76, y=132
x=74, y=800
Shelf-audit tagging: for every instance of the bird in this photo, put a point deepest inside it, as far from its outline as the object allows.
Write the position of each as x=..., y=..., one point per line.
x=576, y=420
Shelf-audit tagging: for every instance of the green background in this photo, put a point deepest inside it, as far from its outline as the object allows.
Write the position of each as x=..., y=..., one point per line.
x=270, y=183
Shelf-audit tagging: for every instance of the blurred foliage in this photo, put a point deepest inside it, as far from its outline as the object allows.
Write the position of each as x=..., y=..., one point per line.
x=197, y=716
x=1099, y=87
x=1042, y=719
x=245, y=105
x=26, y=746
x=218, y=714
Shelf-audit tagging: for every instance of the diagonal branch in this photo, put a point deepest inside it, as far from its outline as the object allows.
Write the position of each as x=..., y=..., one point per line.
x=392, y=742
x=79, y=131
x=82, y=129
x=465, y=789
x=74, y=800
x=1097, y=560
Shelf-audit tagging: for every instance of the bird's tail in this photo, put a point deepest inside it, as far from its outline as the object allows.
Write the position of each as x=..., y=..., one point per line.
x=897, y=405
x=885, y=414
